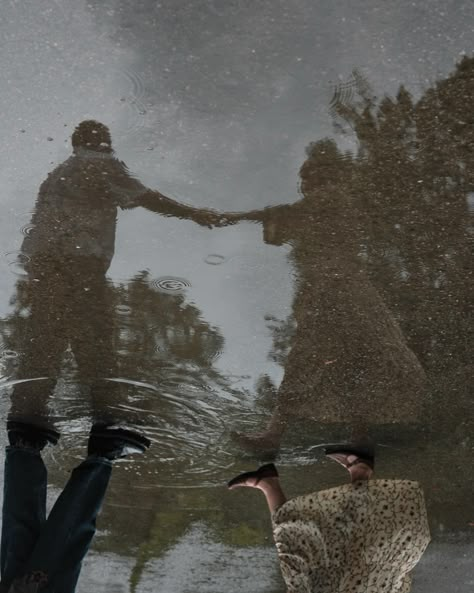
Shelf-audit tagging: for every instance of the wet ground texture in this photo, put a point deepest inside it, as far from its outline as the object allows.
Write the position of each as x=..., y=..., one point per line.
x=245, y=230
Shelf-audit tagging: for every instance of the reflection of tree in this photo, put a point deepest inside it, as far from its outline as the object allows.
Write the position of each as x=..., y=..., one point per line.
x=282, y=335
x=411, y=176
x=161, y=340
x=381, y=244
x=163, y=335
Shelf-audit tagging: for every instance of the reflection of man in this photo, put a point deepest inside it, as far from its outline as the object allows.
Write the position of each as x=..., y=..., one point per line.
x=68, y=252
x=45, y=554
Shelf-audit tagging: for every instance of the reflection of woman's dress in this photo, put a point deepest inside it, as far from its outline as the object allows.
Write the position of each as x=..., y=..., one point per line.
x=349, y=361
x=356, y=538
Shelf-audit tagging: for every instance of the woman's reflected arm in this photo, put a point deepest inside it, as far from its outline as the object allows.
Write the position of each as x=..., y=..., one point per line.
x=154, y=201
x=264, y=215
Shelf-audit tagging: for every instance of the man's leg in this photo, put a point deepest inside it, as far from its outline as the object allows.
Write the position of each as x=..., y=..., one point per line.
x=92, y=337
x=42, y=341
x=24, y=509
x=71, y=525
x=66, y=536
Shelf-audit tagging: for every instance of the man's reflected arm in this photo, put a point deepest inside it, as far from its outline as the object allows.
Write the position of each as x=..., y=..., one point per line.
x=156, y=202
x=263, y=215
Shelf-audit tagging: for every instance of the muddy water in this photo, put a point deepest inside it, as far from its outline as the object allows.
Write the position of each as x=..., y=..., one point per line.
x=270, y=252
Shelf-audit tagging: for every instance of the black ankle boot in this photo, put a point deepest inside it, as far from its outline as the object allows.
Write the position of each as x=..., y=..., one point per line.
x=112, y=442
x=30, y=434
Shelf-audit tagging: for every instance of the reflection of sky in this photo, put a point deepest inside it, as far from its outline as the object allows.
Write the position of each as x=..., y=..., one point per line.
x=212, y=103
x=198, y=563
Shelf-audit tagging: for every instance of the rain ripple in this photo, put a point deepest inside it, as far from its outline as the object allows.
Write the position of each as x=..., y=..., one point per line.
x=170, y=284
x=184, y=419
x=17, y=261
x=132, y=93
x=214, y=259
x=27, y=229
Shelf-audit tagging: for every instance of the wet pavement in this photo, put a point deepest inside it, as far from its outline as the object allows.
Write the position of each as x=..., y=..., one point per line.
x=258, y=242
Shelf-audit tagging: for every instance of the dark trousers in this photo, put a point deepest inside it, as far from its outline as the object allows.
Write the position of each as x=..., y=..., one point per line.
x=70, y=304
x=55, y=545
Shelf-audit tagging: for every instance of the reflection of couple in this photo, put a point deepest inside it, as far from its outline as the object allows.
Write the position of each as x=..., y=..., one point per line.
x=349, y=362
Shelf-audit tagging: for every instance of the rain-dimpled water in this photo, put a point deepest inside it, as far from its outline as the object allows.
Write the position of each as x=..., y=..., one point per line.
x=242, y=233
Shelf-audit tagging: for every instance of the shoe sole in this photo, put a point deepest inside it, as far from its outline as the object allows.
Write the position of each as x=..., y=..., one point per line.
x=127, y=436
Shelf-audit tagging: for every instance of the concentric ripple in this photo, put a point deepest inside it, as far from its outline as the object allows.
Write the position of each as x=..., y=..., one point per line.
x=9, y=354
x=347, y=94
x=214, y=259
x=183, y=417
x=27, y=229
x=170, y=284
x=131, y=97
x=17, y=261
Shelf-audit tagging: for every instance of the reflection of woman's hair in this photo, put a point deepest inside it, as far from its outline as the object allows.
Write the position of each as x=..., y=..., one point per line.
x=323, y=165
x=92, y=135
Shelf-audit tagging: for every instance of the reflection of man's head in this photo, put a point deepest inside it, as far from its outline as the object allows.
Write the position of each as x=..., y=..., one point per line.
x=92, y=135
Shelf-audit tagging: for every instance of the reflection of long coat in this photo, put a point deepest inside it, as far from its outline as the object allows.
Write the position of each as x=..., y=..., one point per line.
x=349, y=360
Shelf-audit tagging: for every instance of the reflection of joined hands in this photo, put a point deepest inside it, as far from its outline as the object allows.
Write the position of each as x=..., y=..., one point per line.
x=211, y=218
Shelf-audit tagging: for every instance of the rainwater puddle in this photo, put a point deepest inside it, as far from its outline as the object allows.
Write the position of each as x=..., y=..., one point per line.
x=246, y=233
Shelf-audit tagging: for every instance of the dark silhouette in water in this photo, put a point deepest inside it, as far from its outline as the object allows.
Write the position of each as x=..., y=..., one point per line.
x=382, y=243
x=66, y=256
x=349, y=362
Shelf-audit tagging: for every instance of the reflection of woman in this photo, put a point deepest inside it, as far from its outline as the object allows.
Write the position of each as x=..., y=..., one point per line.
x=362, y=537
x=349, y=362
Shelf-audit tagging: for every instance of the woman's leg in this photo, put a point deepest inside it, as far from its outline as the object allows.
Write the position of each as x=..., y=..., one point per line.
x=273, y=492
x=359, y=469
x=268, y=484
x=267, y=442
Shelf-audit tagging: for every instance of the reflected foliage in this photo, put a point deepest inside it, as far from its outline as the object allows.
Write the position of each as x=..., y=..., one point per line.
x=412, y=177
x=406, y=192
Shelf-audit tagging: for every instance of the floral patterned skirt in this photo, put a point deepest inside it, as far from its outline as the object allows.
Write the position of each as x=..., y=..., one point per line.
x=364, y=537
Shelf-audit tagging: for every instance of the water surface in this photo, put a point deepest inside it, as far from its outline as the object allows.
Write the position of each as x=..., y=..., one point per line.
x=334, y=301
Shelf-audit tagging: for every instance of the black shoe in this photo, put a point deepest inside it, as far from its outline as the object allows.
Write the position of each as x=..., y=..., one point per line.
x=31, y=434
x=113, y=442
x=265, y=471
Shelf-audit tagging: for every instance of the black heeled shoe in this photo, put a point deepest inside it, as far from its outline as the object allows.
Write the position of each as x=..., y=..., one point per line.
x=265, y=471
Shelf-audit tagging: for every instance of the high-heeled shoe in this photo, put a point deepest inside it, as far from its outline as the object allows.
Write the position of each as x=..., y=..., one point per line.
x=265, y=471
x=363, y=453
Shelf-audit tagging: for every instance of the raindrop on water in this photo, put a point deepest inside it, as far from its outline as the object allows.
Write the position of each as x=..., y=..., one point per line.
x=27, y=229
x=214, y=259
x=170, y=284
